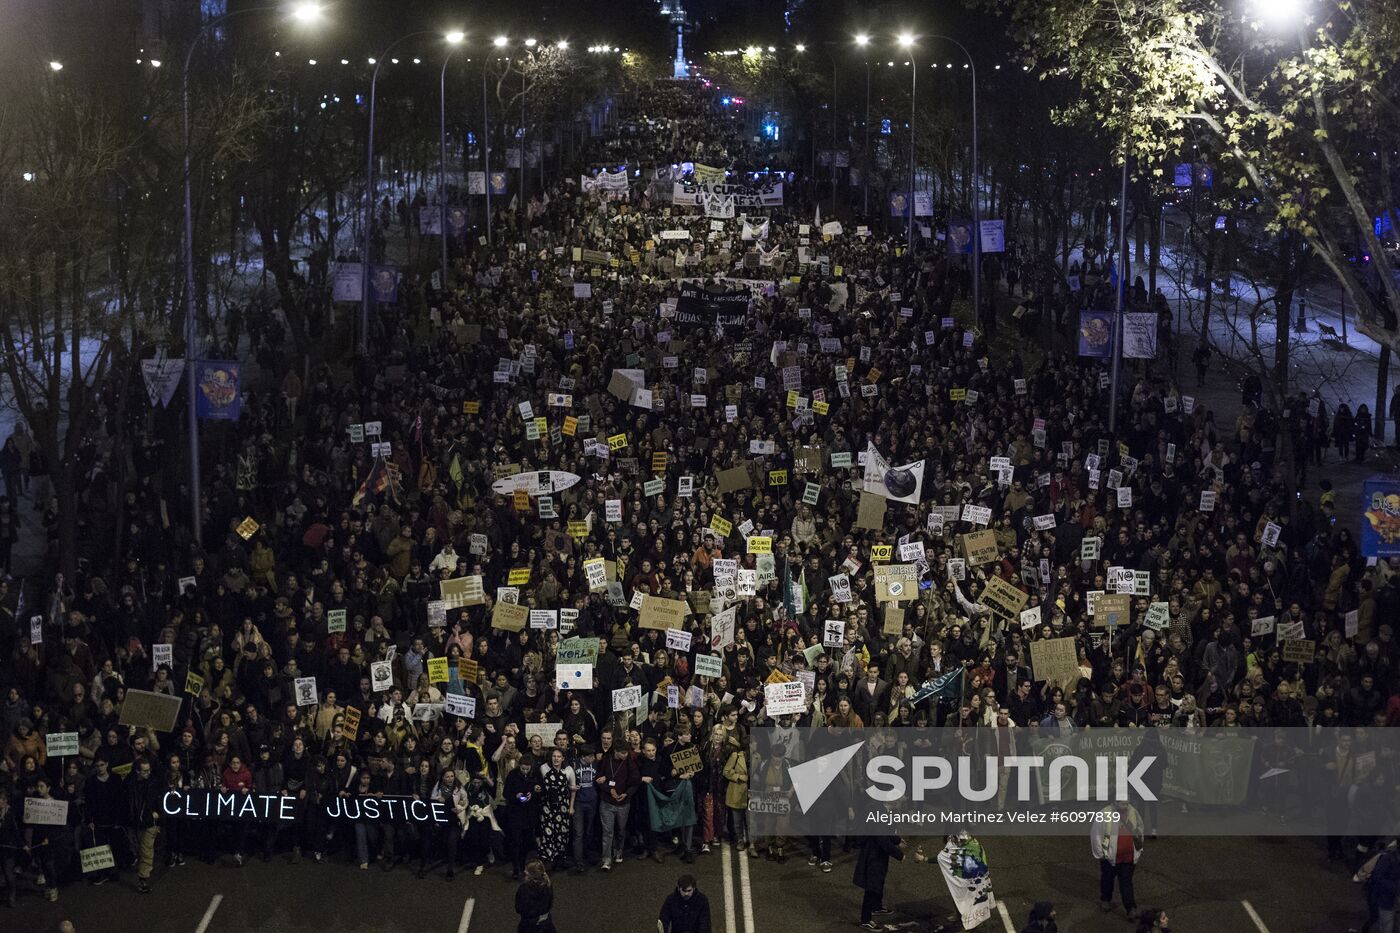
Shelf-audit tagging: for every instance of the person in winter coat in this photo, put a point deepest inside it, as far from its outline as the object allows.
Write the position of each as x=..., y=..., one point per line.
x=1361, y=432
x=685, y=910
x=872, y=868
x=11, y=844
x=1382, y=878
x=1342, y=427
x=534, y=899
x=1042, y=919
x=1117, y=845
x=143, y=818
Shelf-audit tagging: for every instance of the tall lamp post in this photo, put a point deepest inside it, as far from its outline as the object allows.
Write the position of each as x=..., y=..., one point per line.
x=906, y=41
x=863, y=40
x=976, y=187
x=453, y=39
x=369, y=191
x=304, y=13
x=524, y=87
x=499, y=42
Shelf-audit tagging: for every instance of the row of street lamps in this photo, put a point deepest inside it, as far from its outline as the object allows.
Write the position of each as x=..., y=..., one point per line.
x=307, y=13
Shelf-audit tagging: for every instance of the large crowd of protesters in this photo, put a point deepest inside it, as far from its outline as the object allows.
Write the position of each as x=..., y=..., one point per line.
x=880, y=352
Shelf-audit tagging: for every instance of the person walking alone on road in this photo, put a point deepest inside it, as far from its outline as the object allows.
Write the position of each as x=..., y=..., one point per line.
x=872, y=868
x=534, y=899
x=685, y=909
x=1117, y=844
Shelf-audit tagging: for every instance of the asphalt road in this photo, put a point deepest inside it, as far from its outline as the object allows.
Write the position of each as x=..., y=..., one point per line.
x=1204, y=884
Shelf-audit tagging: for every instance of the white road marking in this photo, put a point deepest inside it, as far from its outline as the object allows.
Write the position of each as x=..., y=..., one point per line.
x=724, y=856
x=209, y=913
x=747, y=892
x=1254, y=915
x=1005, y=917
x=467, y=909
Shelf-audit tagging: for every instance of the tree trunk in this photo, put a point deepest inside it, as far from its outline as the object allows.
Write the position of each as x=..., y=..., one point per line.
x=1382, y=383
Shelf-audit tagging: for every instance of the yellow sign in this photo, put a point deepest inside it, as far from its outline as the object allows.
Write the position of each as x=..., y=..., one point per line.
x=469, y=671
x=471, y=408
x=519, y=576
x=542, y=426
x=247, y=528
x=881, y=552
x=659, y=461
x=792, y=398
x=778, y=677
x=957, y=395
x=437, y=670
x=821, y=408
x=193, y=683
x=777, y=477
x=873, y=376
x=578, y=529
x=570, y=425
x=617, y=442
x=350, y=728
x=758, y=544
x=522, y=500
x=721, y=526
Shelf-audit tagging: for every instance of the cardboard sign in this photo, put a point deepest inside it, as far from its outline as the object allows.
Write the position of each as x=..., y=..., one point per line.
x=661, y=614
x=686, y=759
x=979, y=547
x=381, y=675
x=462, y=591
x=896, y=582
x=1299, y=650
x=1112, y=609
x=143, y=708
x=508, y=618
x=894, y=620
x=870, y=513
x=596, y=573
x=1006, y=599
x=1055, y=659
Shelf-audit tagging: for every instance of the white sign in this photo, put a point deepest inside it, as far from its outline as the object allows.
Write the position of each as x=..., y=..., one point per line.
x=833, y=633
x=381, y=675
x=1030, y=618
x=708, y=665
x=455, y=704
x=785, y=699
x=306, y=691
x=41, y=812
x=574, y=676
x=61, y=744
x=977, y=514
x=626, y=698
x=162, y=654
x=677, y=639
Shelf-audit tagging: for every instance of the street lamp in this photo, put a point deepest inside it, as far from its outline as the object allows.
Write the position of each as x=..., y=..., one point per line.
x=862, y=40
x=55, y=66
x=454, y=40
x=304, y=13
x=369, y=190
x=976, y=186
x=906, y=41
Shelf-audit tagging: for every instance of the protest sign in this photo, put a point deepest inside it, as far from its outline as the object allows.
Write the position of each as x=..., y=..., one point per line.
x=143, y=708
x=660, y=613
x=1055, y=659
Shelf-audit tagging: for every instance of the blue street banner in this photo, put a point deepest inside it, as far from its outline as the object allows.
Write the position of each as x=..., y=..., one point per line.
x=384, y=284
x=219, y=395
x=959, y=237
x=456, y=221
x=1096, y=334
x=498, y=183
x=1380, y=517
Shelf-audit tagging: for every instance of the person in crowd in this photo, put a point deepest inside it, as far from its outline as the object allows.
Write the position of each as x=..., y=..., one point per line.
x=534, y=900
x=685, y=910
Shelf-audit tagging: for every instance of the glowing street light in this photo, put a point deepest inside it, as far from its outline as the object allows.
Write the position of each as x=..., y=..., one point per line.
x=801, y=47
x=155, y=63
x=1278, y=13
x=531, y=43
x=306, y=12
x=55, y=66
x=500, y=42
x=905, y=40
x=862, y=39
x=562, y=44
x=454, y=37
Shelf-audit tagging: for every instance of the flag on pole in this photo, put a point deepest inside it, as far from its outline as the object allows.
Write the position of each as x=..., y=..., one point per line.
x=948, y=684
